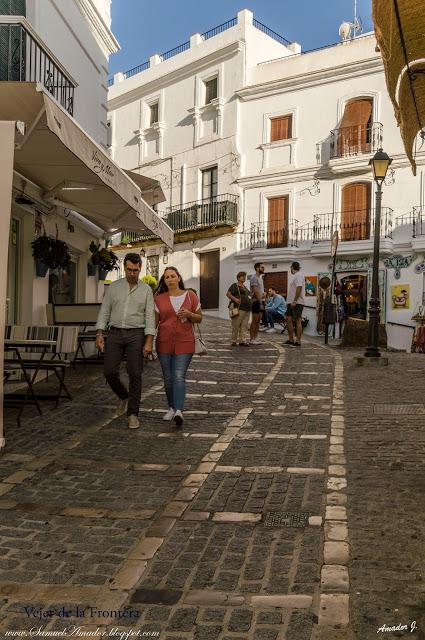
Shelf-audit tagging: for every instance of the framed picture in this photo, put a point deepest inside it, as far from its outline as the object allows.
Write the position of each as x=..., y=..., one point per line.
x=400, y=296
x=310, y=285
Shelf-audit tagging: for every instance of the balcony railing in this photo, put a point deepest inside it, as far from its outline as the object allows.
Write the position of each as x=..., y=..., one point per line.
x=219, y=211
x=415, y=219
x=352, y=225
x=23, y=59
x=355, y=140
x=261, y=235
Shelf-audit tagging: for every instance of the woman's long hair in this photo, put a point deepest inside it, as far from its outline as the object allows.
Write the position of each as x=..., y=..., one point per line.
x=162, y=287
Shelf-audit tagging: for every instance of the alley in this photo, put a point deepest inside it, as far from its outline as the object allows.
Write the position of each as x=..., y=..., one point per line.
x=233, y=528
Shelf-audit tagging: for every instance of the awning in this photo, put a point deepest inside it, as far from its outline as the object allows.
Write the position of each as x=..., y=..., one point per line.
x=400, y=33
x=56, y=154
x=151, y=189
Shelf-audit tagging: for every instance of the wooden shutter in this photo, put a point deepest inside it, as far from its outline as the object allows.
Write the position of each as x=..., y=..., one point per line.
x=354, y=131
x=355, y=211
x=277, y=224
x=281, y=128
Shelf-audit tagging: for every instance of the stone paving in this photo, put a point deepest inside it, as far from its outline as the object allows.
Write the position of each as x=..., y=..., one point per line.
x=245, y=524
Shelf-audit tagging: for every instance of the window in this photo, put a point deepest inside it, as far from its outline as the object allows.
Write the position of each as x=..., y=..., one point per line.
x=355, y=211
x=354, y=133
x=281, y=128
x=210, y=90
x=153, y=113
x=277, y=223
x=12, y=7
x=209, y=183
x=152, y=266
x=63, y=284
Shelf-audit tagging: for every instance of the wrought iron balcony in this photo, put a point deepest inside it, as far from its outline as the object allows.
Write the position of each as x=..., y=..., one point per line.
x=415, y=219
x=352, y=225
x=23, y=59
x=209, y=213
x=355, y=140
x=263, y=236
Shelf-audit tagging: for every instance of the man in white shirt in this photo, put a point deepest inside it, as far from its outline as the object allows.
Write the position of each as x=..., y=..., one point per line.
x=295, y=302
x=127, y=312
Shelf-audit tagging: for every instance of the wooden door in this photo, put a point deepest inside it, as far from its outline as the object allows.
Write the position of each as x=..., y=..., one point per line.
x=209, y=282
x=354, y=131
x=277, y=223
x=278, y=280
x=355, y=211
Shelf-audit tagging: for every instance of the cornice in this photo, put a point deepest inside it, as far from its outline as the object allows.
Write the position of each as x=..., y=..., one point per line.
x=362, y=68
x=161, y=82
x=100, y=28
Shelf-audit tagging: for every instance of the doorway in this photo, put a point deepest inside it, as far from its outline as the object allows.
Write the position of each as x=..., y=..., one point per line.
x=209, y=280
x=354, y=295
x=63, y=284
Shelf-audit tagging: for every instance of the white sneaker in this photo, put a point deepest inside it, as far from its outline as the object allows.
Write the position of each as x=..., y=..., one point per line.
x=178, y=418
x=133, y=422
x=255, y=341
x=271, y=330
x=262, y=329
x=121, y=408
x=169, y=415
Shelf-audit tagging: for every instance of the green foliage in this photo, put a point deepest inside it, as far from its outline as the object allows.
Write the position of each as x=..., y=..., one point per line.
x=53, y=253
x=151, y=281
x=103, y=258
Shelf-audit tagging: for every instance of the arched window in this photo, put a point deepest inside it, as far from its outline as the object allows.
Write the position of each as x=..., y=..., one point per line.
x=355, y=211
x=355, y=131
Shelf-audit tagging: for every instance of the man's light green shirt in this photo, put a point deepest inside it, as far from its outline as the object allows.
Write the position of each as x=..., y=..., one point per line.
x=127, y=309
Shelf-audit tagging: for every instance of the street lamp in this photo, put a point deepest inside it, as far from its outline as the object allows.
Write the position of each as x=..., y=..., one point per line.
x=380, y=163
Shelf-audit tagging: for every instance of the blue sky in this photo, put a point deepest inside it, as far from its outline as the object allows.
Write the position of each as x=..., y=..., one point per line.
x=145, y=27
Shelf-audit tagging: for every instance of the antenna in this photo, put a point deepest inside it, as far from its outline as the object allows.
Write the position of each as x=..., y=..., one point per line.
x=349, y=30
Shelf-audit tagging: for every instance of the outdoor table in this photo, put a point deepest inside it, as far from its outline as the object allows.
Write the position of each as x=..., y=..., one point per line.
x=15, y=345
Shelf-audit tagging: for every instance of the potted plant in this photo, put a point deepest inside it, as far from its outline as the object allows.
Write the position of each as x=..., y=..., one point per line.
x=106, y=261
x=93, y=263
x=49, y=253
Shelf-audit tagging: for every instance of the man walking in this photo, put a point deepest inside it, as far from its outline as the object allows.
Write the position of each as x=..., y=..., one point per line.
x=128, y=310
x=275, y=309
x=295, y=302
x=257, y=292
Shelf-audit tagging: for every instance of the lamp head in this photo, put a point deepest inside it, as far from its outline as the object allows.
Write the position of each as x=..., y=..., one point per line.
x=380, y=163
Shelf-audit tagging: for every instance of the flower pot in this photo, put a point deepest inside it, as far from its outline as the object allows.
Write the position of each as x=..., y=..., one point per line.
x=91, y=269
x=102, y=273
x=41, y=269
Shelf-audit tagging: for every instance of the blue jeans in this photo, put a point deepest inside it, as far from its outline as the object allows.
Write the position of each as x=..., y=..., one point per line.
x=271, y=317
x=174, y=369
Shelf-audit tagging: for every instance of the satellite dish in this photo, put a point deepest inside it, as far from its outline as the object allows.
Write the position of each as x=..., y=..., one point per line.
x=345, y=31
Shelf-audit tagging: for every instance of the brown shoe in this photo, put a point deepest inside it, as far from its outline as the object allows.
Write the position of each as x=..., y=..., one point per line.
x=133, y=422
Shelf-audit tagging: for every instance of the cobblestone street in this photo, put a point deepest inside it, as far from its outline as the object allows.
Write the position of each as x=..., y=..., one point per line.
x=291, y=500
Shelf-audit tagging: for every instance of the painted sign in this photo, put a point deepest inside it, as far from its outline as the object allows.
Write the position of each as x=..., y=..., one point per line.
x=399, y=262
x=310, y=285
x=400, y=296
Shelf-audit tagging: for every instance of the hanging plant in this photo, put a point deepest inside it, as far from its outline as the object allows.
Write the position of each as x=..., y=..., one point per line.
x=151, y=281
x=50, y=253
x=103, y=258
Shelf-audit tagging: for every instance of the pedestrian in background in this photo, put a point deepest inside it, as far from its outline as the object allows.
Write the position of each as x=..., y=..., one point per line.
x=257, y=292
x=177, y=310
x=275, y=310
x=128, y=310
x=241, y=303
x=295, y=304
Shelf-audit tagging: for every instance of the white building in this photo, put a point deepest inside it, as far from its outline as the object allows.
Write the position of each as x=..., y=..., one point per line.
x=262, y=152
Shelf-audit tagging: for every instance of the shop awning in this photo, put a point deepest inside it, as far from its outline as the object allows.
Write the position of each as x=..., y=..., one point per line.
x=151, y=189
x=400, y=33
x=55, y=153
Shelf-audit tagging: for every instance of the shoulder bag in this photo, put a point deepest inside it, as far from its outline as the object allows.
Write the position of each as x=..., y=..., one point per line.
x=233, y=309
x=200, y=347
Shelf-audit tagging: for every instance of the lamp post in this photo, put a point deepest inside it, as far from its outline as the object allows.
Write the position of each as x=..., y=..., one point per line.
x=380, y=163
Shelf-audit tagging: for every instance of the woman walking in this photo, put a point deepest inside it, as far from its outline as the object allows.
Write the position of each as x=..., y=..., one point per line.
x=176, y=311
x=240, y=299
